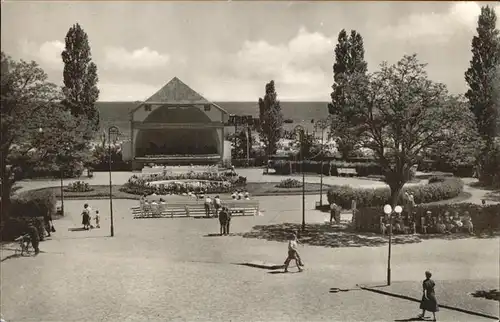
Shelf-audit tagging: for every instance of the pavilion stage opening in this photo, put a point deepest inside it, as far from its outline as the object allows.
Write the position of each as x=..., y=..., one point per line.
x=177, y=126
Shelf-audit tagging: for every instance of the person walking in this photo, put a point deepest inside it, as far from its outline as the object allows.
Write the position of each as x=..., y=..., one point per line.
x=217, y=205
x=47, y=220
x=429, y=301
x=208, y=203
x=34, y=236
x=293, y=253
x=228, y=221
x=223, y=216
x=97, y=219
x=86, y=217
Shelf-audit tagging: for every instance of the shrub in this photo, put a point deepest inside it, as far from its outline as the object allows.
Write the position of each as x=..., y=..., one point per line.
x=483, y=218
x=435, y=179
x=366, y=197
x=364, y=169
x=30, y=206
x=78, y=186
x=289, y=183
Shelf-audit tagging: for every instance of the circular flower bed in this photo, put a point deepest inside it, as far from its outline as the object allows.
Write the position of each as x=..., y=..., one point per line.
x=289, y=183
x=78, y=186
x=208, y=182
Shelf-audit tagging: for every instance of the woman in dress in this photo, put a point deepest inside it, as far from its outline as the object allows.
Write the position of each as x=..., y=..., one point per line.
x=429, y=301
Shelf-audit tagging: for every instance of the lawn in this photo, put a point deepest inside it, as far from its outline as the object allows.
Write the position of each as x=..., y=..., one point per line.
x=254, y=188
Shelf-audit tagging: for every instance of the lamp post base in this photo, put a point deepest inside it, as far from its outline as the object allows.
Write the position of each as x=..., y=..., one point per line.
x=388, y=276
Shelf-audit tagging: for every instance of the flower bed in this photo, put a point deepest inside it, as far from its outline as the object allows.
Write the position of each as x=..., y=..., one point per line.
x=289, y=183
x=366, y=197
x=78, y=186
x=209, y=182
x=483, y=218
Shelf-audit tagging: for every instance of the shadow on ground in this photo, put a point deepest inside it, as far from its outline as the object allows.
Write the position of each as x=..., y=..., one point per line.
x=490, y=295
x=340, y=235
x=414, y=319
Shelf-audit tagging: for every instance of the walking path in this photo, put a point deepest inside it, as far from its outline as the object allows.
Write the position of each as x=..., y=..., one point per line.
x=162, y=269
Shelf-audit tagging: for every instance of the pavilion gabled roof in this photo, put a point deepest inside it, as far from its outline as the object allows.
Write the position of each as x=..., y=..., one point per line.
x=177, y=92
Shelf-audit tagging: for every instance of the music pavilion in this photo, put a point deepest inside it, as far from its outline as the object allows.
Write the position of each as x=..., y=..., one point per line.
x=176, y=125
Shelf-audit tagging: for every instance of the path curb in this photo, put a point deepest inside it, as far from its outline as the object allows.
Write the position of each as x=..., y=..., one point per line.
x=409, y=298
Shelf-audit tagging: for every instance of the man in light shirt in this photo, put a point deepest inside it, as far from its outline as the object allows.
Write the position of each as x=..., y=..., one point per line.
x=293, y=253
x=208, y=202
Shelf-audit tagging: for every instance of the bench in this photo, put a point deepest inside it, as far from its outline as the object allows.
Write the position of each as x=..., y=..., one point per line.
x=197, y=209
x=348, y=172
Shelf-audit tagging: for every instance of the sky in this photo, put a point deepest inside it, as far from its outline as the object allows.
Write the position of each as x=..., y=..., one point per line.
x=229, y=50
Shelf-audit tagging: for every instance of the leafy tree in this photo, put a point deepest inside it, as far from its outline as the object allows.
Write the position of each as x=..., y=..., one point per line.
x=240, y=149
x=271, y=119
x=480, y=75
x=80, y=78
x=482, y=85
x=402, y=113
x=349, y=60
x=30, y=103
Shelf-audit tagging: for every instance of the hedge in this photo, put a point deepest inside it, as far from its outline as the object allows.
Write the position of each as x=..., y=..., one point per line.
x=483, y=218
x=285, y=167
x=377, y=197
x=30, y=206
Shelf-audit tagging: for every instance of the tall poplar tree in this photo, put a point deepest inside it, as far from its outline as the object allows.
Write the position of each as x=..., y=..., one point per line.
x=349, y=60
x=271, y=119
x=481, y=94
x=80, y=77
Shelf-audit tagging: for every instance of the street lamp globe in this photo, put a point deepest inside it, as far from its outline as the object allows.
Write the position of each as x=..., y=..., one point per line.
x=398, y=209
x=40, y=130
x=388, y=209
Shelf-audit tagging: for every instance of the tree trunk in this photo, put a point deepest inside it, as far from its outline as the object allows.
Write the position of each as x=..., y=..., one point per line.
x=396, y=190
x=5, y=203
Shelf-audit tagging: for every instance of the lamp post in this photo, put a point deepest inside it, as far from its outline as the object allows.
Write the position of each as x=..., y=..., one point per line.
x=389, y=211
x=300, y=128
x=322, y=124
x=113, y=130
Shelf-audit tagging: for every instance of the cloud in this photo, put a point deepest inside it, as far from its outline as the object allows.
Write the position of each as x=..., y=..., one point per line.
x=437, y=27
x=138, y=59
x=48, y=54
x=297, y=64
x=126, y=91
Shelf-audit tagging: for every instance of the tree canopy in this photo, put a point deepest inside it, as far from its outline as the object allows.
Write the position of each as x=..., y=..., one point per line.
x=349, y=60
x=402, y=113
x=80, y=77
x=36, y=129
x=271, y=119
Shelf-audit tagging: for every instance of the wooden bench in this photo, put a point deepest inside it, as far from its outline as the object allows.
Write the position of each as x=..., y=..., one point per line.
x=348, y=172
x=197, y=209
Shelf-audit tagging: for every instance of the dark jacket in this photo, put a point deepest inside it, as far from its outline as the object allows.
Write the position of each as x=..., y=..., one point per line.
x=223, y=216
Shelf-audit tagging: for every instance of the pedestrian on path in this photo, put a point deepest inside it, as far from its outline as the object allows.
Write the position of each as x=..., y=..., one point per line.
x=429, y=301
x=35, y=237
x=86, y=217
x=97, y=219
x=223, y=216
x=293, y=253
x=208, y=204
x=228, y=221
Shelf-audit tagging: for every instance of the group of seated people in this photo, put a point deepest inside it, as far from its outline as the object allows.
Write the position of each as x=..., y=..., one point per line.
x=445, y=223
x=155, y=207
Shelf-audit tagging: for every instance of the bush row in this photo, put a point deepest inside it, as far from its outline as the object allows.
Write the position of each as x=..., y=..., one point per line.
x=483, y=218
x=284, y=167
x=289, y=183
x=376, y=197
x=28, y=207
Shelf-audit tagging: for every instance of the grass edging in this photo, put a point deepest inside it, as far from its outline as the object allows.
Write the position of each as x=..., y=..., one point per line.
x=102, y=191
x=409, y=298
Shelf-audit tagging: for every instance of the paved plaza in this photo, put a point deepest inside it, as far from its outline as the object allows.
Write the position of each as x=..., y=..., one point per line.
x=172, y=269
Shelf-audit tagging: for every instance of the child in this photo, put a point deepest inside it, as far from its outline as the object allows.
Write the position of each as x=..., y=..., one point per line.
x=97, y=219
